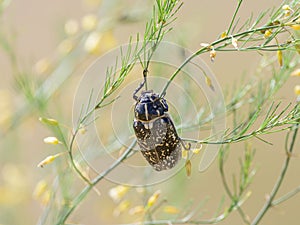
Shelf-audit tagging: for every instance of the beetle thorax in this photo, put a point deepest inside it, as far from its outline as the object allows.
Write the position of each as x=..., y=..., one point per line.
x=150, y=106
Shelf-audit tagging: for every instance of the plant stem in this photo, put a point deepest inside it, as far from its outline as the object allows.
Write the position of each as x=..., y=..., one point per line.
x=269, y=202
x=234, y=15
x=89, y=187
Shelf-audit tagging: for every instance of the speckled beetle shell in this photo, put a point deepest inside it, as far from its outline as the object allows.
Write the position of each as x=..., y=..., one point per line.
x=155, y=132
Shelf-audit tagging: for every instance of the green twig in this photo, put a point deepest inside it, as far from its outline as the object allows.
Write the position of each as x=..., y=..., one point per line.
x=269, y=202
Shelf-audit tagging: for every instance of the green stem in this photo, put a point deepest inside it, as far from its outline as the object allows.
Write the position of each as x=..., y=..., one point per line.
x=89, y=187
x=286, y=196
x=269, y=202
x=234, y=16
x=205, y=49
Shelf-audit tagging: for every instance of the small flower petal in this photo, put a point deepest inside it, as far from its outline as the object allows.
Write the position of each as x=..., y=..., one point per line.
x=137, y=210
x=153, y=198
x=268, y=33
x=296, y=73
x=234, y=42
x=124, y=205
x=224, y=34
x=297, y=90
x=71, y=27
x=188, y=168
x=89, y=22
x=92, y=43
x=212, y=55
x=118, y=192
x=48, y=121
x=40, y=189
x=51, y=140
x=171, y=209
x=48, y=160
x=279, y=57
x=42, y=66
x=184, y=154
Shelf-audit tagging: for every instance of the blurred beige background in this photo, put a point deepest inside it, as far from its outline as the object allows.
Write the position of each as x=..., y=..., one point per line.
x=36, y=28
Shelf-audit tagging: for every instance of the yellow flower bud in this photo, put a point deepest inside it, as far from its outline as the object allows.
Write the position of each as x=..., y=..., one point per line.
x=48, y=160
x=184, y=154
x=297, y=90
x=279, y=57
x=92, y=43
x=286, y=7
x=212, y=55
x=197, y=150
x=234, y=42
x=137, y=210
x=42, y=66
x=89, y=22
x=82, y=130
x=66, y=46
x=153, y=198
x=206, y=45
x=40, y=189
x=268, y=33
x=296, y=73
x=188, y=167
x=51, y=140
x=48, y=121
x=171, y=209
x=71, y=27
x=121, y=208
x=45, y=199
x=295, y=26
x=118, y=192
x=224, y=34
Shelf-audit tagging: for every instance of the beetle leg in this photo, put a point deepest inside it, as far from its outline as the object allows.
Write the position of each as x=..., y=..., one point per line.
x=134, y=96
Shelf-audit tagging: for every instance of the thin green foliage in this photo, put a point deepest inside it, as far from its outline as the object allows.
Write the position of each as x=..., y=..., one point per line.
x=269, y=32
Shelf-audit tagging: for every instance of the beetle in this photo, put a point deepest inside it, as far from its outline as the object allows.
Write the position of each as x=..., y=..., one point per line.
x=155, y=131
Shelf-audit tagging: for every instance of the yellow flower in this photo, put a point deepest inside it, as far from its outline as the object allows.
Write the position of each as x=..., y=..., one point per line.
x=51, y=140
x=279, y=57
x=48, y=121
x=268, y=33
x=188, y=167
x=286, y=7
x=48, y=160
x=137, y=210
x=212, y=55
x=82, y=130
x=171, y=209
x=89, y=22
x=45, y=199
x=296, y=72
x=118, y=192
x=295, y=26
x=66, y=46
x=153, y=198
x=184, y=154
x=234, y=42
x=297, y=90
x=197, y=150
x=92, y=44
x=42, y=66
x=71, y=27
x=224, y=34
x=40, y=189
x=124, y=205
